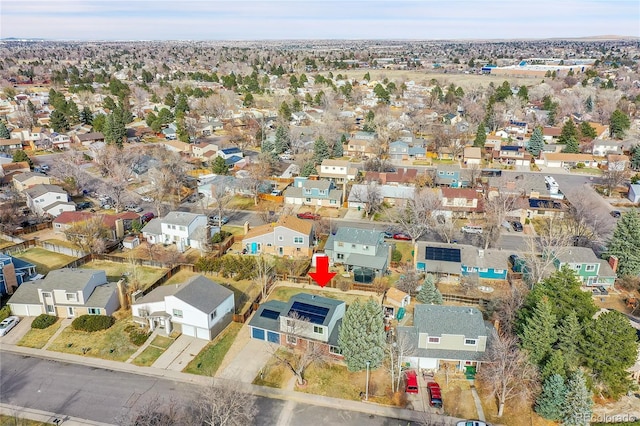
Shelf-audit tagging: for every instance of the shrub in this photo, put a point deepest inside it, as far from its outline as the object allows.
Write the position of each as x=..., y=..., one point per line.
x=396, y=256
x=138, y=336
x=43, y=321
x=219, y=237
x=92, y=323
x=5, y=312
x=580, y=166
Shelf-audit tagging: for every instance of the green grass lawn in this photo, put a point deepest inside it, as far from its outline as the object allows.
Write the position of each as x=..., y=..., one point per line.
x=406, y=249
x=207, y=362
x=148, y=356
x=36, y=338
x=45, y=260
x=284, y=294
x=112, y=344
x=146, y=275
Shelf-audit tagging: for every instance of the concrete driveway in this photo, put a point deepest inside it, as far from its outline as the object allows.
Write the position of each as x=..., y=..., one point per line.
x=180, y=353
x=248, y=362
x=14, y=335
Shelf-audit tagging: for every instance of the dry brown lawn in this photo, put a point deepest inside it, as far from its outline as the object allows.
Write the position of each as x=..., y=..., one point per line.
x=514, y=412
x=36, y=338
x=457, y=397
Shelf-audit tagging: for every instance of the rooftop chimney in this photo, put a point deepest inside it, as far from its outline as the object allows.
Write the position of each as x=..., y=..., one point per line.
x=246, y=227
x=613, y=262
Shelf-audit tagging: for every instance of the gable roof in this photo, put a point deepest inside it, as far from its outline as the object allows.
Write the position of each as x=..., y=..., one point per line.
x=180, y=218
x=357, y=236
x=43, y=188
x=23, y=177
x=438, y=320
x=290, y=222
x=203, y=294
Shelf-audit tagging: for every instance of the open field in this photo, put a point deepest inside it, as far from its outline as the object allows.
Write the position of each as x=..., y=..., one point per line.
x=45, y=260
x=144, y=275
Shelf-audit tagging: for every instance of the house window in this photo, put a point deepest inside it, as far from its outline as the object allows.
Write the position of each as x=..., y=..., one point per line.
x=72, y=297
x=590, y=268
x=213, y=314
x=46, y=294
x=471, y=342
x=353, y=246
x=323, y=192
x=340, y=244
x=280, y=238
x=333, y=201
x=365, y=247
x=177, y=313
x=50, y=309
x=335, y=350
x=434, y=340
x=483, y=270
x=269, y=245
x=340, y=256
x=499, y=271
x=298, y=240
x=308, y=200
x=93, y=311
x=318, y=330
x=183, y=228
x=290, y=324
x=292, y=340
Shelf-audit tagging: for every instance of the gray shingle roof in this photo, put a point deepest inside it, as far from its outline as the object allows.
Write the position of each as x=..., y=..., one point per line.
x=577, y=255
x=203, y=294
x=259, y=321
x=158, y=294
x=43, y=188
x=436, y=320
x=154, y=226
x=180, y=218
x=22, y=177
x=66, y=279
x=358, y=236
x=101, y=295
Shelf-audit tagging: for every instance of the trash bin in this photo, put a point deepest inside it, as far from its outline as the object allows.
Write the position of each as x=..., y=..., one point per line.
x=400, y=314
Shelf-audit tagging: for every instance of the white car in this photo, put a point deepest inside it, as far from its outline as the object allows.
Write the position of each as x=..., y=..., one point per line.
x=7, y=324
x=147, y=199
x=472, y=423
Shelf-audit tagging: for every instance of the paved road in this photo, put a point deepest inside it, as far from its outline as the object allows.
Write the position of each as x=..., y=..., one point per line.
x=109, y=396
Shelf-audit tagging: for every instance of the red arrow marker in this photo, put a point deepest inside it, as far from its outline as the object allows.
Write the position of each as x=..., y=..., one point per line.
x=322, y=275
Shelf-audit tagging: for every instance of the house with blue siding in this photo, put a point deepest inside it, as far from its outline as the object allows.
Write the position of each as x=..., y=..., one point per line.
x=308, y=192
x=361, y=251
x=399, y=150
x=453, y=261
x=589, y=269
x=13, y=272
x=450, y=175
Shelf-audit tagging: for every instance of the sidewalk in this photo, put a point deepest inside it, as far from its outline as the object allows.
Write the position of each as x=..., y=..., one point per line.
x=44, y=416
x=63, y=324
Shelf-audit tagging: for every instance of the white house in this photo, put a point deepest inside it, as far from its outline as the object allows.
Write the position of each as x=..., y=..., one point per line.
x=198, y=307
x=183, y=228
x=634, y=193
x=338, y=171
x=48, y=199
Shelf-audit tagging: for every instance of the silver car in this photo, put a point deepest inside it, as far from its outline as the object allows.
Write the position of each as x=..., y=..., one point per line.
x=7, y=324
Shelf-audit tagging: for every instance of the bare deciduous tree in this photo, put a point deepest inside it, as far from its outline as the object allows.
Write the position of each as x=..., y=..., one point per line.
x=415, y=216
x=263, y=274
x=400, y=348
x=506, y=371
x=224, y=404
x=89, y=235
x=157, y=412
x=369, y=195
x=445, y=228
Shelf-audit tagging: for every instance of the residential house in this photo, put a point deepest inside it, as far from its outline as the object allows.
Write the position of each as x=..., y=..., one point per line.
x=546, y=207
x=48, y=199
x=116, y=224
x=200, y=150
x=602, y=147
x=177, y=146
x=198, y=308
x=568, y=160
x=589, y=269
x=303, y=320
x=22, y=181
x=402, y=176
x=450, y=175
x=461, y=202
x=398, y=150
x=182, y=228
x=87, y=139
x=308, y=192
x=9, y=145
x=66, y=293
x=361, y=144
x=337, y=171
x=361, y=251
x=472, y=155
x=359, y=197
x=227, y=153
x=14, y=272
x=443, y=335
x=551, y=133
x=452, y=261
x=512, y=155
x=61, y=141
x=289, y=236
x=634, y=193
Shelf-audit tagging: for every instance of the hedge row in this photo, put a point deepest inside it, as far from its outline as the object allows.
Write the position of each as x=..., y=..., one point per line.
x=92, y=323
x=43, y=321
x=137, y=336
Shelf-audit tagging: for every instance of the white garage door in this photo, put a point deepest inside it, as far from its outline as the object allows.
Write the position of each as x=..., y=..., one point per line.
x=202, y=333
x=26, y=310
x=428, y=363
x=188, y=330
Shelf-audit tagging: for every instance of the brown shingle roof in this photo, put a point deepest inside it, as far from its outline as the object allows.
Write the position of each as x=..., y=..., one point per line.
x=299, y=225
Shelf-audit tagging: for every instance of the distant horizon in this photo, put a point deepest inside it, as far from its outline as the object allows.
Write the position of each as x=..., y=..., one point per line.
x=357, y=20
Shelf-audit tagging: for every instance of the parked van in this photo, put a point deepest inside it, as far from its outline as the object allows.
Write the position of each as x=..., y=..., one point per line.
x=412, y=382
x=472, y=229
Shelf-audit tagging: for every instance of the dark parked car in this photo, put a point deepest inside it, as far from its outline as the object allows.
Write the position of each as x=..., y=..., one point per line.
x=517, y=226
x=84, y=205
x=147, y=217
x=308, y=215
x=615, y=213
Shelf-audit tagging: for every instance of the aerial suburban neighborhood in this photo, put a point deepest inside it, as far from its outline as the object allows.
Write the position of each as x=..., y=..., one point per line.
x=167, y=209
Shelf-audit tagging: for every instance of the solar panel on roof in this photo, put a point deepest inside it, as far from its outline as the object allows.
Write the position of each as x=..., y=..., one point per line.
x=268, y=313
x=443, y=253
x=315, y=314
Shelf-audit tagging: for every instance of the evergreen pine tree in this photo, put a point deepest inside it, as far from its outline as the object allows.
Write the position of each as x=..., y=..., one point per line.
x=4, y=132
x=219, y=166
x=588, y=105
x=320, y=150
x=481, y=136
x=569, y=131
x=308, y=169
x=58, y=122
x=619, y=124
x=86, y=116
x=587, y=131
x=536, y=143
x=554, y=364
x=337, y=150
x=429, y=293
x=282, y=140
x=361, y=337
x=569, y=338
x=625, y=242
x=550, y=402
x=576, y=410
x=572, y=146
x=20, y=156
x=72, y=112
x=539, y=334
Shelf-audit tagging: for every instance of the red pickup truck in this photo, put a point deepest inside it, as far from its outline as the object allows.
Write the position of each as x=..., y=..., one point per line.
x=435, y=397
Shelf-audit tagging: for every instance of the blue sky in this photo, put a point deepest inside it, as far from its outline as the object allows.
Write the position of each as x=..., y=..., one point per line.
x=319, y=19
